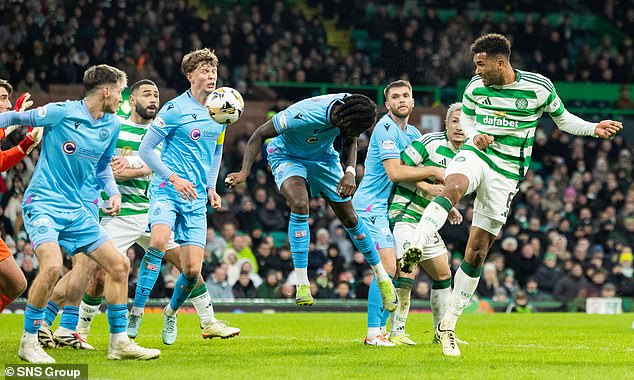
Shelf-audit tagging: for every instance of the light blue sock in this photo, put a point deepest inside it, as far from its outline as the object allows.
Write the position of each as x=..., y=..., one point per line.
x=33, y=317
x=299, y=238
x=361, y=238
x=182, y=289
x=51, y=313
x=70, y=318
x=117, y=318
x=375, y=305
x=148, y=274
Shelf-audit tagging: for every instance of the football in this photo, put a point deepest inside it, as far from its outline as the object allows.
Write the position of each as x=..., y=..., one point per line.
x=225, y=105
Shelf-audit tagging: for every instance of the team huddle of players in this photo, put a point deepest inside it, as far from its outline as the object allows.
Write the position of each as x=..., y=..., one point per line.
x=157, y=170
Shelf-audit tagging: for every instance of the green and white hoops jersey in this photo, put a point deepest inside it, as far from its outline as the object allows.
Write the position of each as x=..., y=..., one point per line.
x=510, y=114
x=408, y=202
x=134, y=196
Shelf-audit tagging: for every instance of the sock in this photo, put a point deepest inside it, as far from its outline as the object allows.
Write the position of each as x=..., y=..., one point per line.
x=465, y=283
x=70, y=317
x=51, y=313
x=33, y=317
x=202, y=303
x=299, y=238
x=375, y=309
x=182, y=289
x=434, y=217
x=404, y=290
x=117, y=318
x=385, y=315
x=361, y=239
x=118, y=338
x=4, y=301
x=148, y=274
x=440, y=296
x=88, y=308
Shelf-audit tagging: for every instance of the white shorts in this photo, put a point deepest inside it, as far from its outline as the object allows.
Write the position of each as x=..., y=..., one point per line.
x=404, y=234
x=127, y=230
x=494, y=192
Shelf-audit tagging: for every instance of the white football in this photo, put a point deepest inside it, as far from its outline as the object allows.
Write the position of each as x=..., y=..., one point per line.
x=225, y=105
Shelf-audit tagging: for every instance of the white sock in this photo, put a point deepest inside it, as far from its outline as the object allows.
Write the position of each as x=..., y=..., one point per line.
x=204, y=308
x=434, y=217
x=383, y=329
x=380, y=273
x=86, y=315
x=399, y=317
x=373, y=331
x=464, y=286
x=29, y=338
x=169, y=311
x=119, y=338
x=439, y=303
x=302, y=276
x=138, y=311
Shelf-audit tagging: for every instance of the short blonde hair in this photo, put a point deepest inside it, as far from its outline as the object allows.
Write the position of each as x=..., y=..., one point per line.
x=193, y=59
x=453, y=107
x=99, y=75
x=396, y=83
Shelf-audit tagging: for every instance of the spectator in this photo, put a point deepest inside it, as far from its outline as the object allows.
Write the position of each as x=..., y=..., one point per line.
x=218, y=286
x=568, y=287
x=520, y=304
x=271, y=286
x=421, y=291
x=548, y=274
x=271, y=217
x=244, y=288
x=363, y=286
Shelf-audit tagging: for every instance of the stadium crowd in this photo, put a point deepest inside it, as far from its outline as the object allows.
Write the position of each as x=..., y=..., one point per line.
x=571, y=231
x=274, y=41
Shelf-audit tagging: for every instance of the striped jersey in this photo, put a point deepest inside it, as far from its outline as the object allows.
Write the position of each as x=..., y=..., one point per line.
x=408, y=202
x=134, y=192
x=510, y=114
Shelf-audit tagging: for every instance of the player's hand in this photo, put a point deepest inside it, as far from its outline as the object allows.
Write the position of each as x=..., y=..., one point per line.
x=347, y=185
x=607, y=129
x=23, y=103
x=185, y=188
x=114, y=205
x=234, y=179
x=36, y=134
x=435, y=173
x=214, y=199
x=481, y=141
x=454, y=216
x=118, y=164
x=430, y=188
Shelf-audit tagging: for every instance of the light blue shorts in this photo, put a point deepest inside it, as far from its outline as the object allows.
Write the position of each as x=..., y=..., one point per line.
x=322, y=176
x=77, y=230
x=187, y=219
x=379, y=227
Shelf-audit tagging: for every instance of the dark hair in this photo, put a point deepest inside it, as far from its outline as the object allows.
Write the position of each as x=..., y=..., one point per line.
x=356, y=115
x=492, y=44
x=99, y=75
x=6, y=85
x=140, y=83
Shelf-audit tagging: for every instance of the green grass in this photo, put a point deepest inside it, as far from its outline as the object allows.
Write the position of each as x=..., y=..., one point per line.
x=329, y=346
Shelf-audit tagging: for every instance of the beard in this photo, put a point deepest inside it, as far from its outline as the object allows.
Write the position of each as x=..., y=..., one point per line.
x=145, y=113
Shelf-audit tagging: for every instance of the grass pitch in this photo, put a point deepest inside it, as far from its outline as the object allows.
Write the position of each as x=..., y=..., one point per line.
x=329, y=346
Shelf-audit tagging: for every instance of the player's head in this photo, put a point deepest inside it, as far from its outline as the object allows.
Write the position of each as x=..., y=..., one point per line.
x=201, y=69
x=105, y=82
x=491, y=54
x=356, y=115
x=144, y=99
x=5, y=91
x=398, y=98
x=452, y=123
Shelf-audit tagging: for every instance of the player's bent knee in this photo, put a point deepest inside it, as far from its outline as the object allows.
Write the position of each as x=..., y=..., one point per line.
x=118, y=269
x=191, y=272
x=298, y=206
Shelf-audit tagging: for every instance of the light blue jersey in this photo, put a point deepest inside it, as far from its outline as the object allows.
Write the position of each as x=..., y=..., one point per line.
x=305, y=130
x=192, y=146
x=387, y=141
x=72, y=146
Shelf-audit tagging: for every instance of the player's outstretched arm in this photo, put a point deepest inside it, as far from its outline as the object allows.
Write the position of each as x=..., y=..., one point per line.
x=263, y=132
x=398, y=172
x=347, y=185
x=575, y=125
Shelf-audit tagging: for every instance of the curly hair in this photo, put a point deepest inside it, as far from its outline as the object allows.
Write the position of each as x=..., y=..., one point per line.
x=356, y=115
x=492, y=44
x=193, y=59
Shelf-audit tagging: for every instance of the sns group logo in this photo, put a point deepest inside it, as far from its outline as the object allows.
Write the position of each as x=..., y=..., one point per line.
x=69, y=147
x=195, y=134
